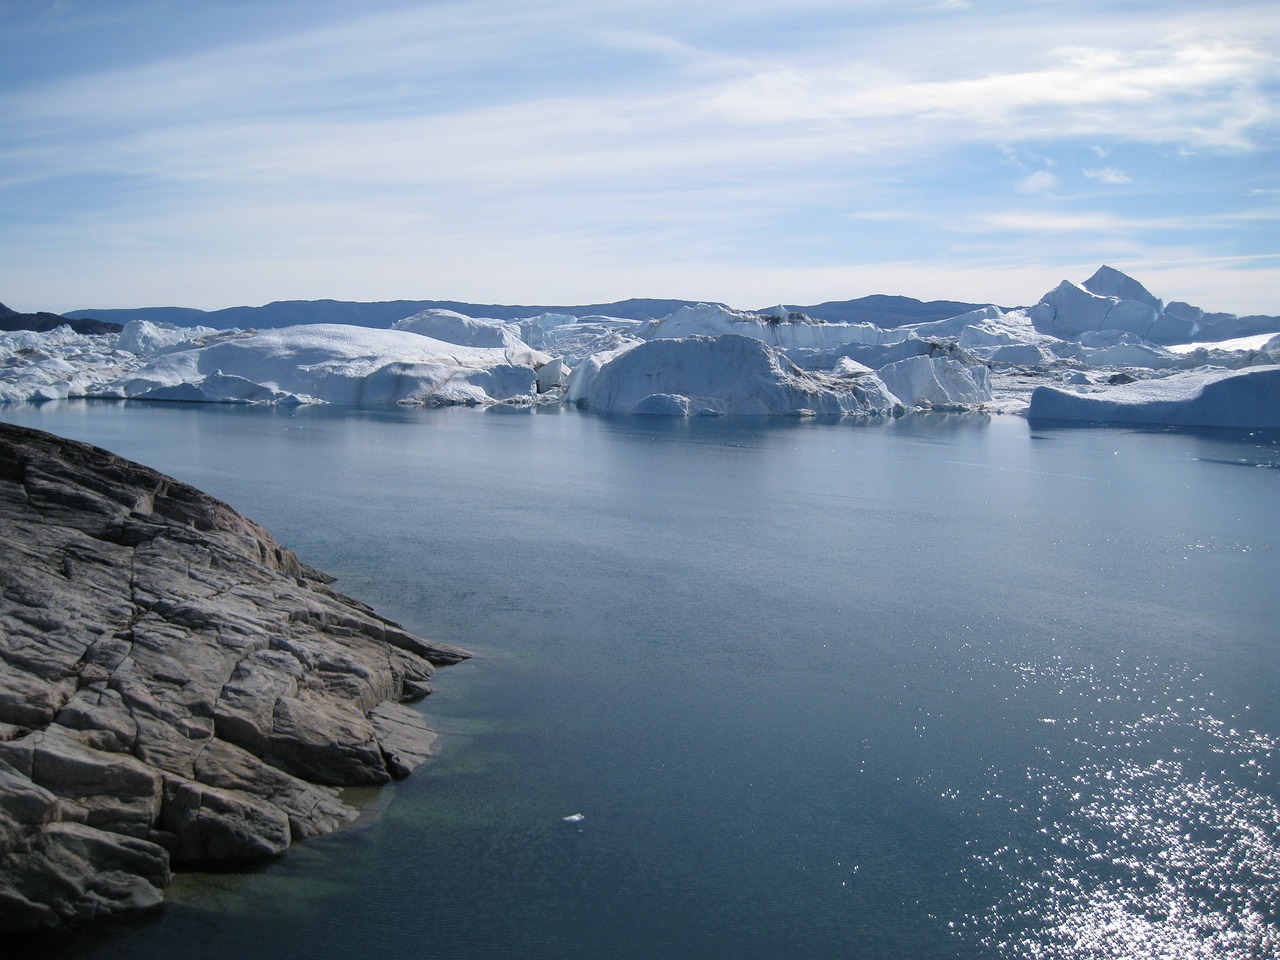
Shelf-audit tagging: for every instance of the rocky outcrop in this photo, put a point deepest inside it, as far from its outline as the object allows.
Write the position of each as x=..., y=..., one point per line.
x=175, y=686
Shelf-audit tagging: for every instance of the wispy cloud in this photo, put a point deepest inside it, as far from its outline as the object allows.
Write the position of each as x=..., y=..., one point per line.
x=1108, y=175
x=1042, y=181
x=646, y=137
x=1183, y=91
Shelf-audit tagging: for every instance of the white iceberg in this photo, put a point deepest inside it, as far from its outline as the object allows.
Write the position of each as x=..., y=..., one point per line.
x=145, y=337
x=939, y=383
x=728, y=374
x=337, y=363
x=1069, y=310
x=1107, y=324
x=450, y=327
x=1111, y=300
x=779, y=328
x=58, y=363
x=1207, y=397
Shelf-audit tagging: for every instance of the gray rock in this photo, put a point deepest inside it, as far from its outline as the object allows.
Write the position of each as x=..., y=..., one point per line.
x=71, y=872
x=403, y=735
x=175, y=686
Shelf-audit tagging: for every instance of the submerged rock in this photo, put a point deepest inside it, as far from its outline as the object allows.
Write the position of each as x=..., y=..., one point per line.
x=175, y=686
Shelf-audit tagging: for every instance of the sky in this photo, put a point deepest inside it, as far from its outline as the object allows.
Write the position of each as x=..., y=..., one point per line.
x=234, y=152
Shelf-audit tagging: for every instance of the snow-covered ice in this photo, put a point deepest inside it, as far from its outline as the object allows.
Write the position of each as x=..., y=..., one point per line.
x=337, y=363
x=146, y=337
x=938, y=383
x=450, y=327
x=308, y=363
x=1208, y=397
x=779, y=328
x=703, y=359
x=728, y=374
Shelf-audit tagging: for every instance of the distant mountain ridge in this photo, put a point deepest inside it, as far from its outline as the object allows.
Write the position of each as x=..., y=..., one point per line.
x=888, y=311
x=11, y=320
x=880, y=309
x=378, y=314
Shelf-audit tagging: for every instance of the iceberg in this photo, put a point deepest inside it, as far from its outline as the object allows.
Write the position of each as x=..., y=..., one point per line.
x=448, y=326
x=939, y=383
x=1069, y=310
x=337, y=363
x=1111, y=300
x=1205, y=397
x=145, y=337
x=988, y=357
x=1110, y=282
x=58, y=363
x=221, y=388
x=778, y=327
x=727, y=374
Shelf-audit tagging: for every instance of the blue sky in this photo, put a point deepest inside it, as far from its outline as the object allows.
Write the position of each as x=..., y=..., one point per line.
x=221, y=152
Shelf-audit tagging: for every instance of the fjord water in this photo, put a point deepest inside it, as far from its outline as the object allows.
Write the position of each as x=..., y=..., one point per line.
x=945, y=686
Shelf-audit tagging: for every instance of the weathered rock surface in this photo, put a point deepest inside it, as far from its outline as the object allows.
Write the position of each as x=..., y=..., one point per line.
x=175, y=686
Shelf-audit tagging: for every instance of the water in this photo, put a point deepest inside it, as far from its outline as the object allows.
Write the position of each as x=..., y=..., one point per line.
x=940, y=687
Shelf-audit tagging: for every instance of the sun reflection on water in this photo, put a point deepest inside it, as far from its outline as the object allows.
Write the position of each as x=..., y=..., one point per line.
x=1158, y=838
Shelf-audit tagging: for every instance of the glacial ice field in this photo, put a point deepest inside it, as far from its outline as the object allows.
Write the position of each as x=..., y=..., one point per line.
x=1105, y=351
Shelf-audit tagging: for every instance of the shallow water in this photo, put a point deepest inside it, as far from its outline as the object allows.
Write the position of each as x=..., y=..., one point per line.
x=944, y=686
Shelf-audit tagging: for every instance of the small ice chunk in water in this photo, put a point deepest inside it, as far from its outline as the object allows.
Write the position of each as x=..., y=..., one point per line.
x=574, y=818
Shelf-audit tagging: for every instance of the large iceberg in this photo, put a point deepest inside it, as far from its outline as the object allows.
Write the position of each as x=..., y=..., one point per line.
x=1113, y=301
x=337, y=363
x=728, y=374
x=1206, y=397
x=303, y=364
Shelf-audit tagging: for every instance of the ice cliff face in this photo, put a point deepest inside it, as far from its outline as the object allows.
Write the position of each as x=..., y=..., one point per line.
x=331, y=363
x=1204, y=397
x=728, y=374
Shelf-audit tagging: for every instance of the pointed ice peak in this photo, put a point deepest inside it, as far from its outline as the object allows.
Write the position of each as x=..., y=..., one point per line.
x=1110, y=282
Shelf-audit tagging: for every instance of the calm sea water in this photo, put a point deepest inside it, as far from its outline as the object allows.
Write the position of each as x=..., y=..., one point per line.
x=940, y=687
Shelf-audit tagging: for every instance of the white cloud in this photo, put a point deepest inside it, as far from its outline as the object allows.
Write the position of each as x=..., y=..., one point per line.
x=642, y=142
x=1042, y=181
x=1085, y=221
x=1108, y=175
x=1185, y=91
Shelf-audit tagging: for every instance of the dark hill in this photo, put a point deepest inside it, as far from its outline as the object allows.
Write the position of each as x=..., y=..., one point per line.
x=884, y=311
x=13, y=320
x=284, y=313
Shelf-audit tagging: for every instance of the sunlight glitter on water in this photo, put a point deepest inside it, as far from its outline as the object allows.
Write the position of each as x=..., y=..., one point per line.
x=1160, y=844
